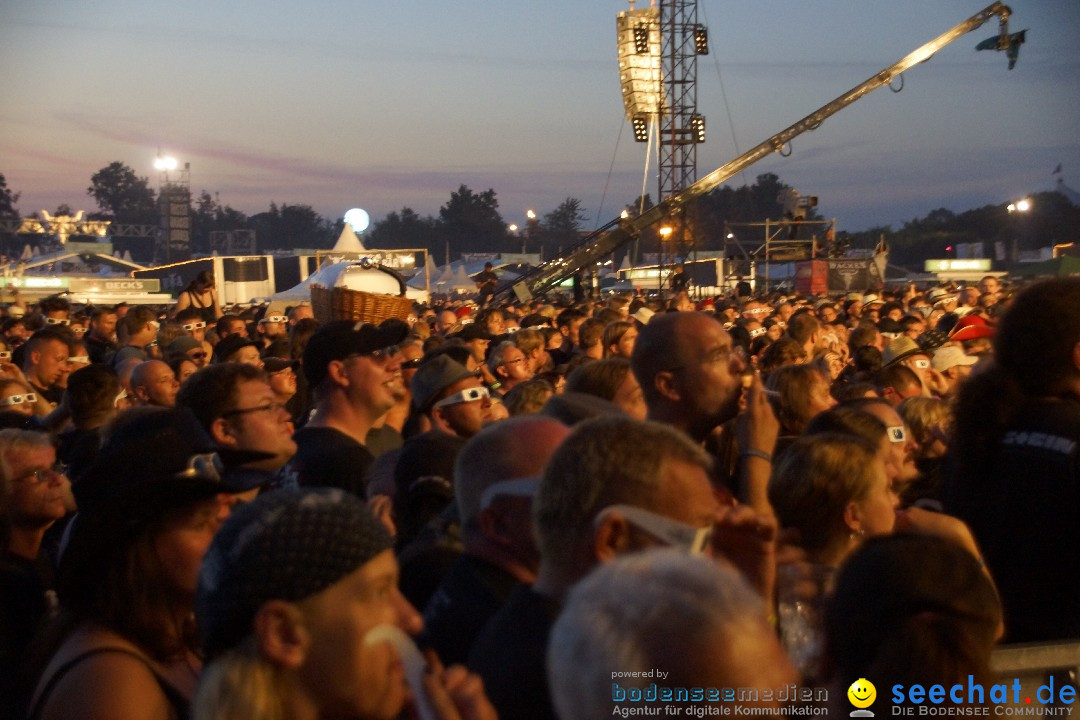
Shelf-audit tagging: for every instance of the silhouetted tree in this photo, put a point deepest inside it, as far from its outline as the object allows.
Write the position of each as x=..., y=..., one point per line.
x=471, y=222
x=122, y=196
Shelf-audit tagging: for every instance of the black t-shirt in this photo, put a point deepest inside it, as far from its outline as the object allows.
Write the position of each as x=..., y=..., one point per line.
x=510, y=654
x=24, y=604
x=100, y=351
x=470, y=594
x=52, y=394
x=1025, y=514
x=487, y=281
x=326, y=457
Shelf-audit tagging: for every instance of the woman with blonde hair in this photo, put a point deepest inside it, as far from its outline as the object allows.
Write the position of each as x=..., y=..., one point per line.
x=834, y=490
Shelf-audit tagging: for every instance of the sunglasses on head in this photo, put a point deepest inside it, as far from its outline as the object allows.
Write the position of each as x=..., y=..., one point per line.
x=57, y=321
x=382, y=354
x=518, y=487
x=188, y=327
x=273, y=319
x=670, y=532
x=465, y=396
x=19, y=399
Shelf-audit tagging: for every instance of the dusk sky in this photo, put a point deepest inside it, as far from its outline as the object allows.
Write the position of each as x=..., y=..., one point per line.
x=382, y=105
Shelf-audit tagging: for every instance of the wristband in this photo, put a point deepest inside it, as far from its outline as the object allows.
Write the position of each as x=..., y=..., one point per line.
x=751, y=452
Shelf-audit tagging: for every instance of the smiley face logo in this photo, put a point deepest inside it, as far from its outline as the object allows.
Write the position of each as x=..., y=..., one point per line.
x=862, y=693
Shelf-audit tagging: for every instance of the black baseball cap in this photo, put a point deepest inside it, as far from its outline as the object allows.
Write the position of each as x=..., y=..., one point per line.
x=339, y=339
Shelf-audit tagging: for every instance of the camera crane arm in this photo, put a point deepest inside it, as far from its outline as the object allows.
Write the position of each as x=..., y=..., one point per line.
x=617, y=233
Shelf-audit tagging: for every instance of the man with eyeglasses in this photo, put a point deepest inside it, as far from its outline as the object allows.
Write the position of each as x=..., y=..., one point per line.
x=692, y=378
x=509, y=366
x=614, y=486
x=36, y=494
x=237, y=407
x=45, y=361
x=354, y=372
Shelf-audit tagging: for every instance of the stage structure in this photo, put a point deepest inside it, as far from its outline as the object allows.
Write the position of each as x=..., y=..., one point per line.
x=658, y=49
x=601, y=243
x=174, y=200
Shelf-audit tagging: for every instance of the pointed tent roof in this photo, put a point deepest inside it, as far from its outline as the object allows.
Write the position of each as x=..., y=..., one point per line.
x=347, y=241
x=429, y=268
x=446, y=276
x=461, y=280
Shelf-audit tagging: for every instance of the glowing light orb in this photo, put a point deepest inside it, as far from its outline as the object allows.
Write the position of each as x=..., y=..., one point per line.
x=358, y=219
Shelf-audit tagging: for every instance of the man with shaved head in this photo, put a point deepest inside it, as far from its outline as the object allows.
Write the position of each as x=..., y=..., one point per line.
x=153, y=383
x=691, y=375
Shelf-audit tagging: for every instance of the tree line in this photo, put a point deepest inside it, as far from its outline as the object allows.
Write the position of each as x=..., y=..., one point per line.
x=470, y=222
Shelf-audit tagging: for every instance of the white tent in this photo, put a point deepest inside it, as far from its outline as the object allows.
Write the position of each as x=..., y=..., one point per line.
x=347, y=241
x=419, y=280
x=350, y=275
x=462, y=281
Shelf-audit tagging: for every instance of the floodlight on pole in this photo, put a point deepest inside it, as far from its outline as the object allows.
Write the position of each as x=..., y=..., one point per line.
x=530, y=214
x=164, y=163
x=701, y=40
x=513, y=229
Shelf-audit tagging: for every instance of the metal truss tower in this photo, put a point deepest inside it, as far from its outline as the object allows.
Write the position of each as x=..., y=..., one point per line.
x=681, y=127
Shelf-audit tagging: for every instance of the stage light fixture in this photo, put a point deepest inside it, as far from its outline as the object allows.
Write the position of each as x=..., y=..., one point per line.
x=641, y=39
x=638, y=35
x=697, y=127
x=641, y=128
x=701, y=40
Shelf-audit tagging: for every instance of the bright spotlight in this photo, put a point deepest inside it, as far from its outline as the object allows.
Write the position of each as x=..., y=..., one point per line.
x=165, y=163
x=358, y=219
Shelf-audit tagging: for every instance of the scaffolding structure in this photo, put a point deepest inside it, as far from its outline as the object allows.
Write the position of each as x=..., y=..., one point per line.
x=681, y=128
x=780, y=242
x=174, y=201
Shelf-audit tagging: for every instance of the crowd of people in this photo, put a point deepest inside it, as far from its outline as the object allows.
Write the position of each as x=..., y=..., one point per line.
x=231, y=512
